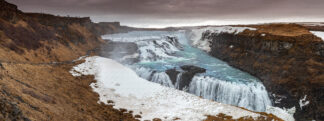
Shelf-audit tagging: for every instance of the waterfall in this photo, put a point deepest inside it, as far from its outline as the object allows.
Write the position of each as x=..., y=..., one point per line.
x=252, y=96
x=177, y=84
x=153, y=76
x=159, y=51
x=162, y=78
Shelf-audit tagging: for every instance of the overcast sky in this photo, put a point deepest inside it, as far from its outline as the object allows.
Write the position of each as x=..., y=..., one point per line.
x=161, y=13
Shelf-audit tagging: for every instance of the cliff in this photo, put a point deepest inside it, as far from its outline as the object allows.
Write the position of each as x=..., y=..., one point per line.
x=37, y=37
x=286, y=57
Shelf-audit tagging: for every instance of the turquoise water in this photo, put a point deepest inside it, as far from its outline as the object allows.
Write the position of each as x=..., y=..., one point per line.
x=192, y=56
x=221, y=82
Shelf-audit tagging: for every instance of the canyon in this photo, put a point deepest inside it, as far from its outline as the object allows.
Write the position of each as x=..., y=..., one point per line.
x=49, y=70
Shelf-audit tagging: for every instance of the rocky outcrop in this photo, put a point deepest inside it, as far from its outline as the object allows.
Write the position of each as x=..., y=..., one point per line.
x=291, y=67
x=182, y=79
x=173, y=75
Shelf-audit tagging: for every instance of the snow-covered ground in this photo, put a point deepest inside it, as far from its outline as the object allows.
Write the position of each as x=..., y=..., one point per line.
x=127, y=90
x=318, y=34
x=195, y=35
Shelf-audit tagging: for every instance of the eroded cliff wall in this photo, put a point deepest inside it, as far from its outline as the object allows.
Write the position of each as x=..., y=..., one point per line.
x=287, y=58
x=36, y=37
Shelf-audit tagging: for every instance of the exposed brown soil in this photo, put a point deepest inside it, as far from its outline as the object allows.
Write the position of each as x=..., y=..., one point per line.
x=282, y=29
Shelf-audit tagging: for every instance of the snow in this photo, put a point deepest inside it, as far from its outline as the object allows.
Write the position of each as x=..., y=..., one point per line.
x=195, y=35
x=284, y=114
x=123, y=86
x=318, y=34
x=303, y=102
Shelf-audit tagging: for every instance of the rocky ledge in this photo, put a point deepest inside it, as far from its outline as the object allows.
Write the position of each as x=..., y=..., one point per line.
x=187, y=73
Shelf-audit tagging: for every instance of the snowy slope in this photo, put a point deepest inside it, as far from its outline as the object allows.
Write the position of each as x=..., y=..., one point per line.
x=121, y=84
x=195, y=35
x=318, y=34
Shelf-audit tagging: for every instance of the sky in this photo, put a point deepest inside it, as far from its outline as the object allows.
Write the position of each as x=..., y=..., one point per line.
x=164, y=13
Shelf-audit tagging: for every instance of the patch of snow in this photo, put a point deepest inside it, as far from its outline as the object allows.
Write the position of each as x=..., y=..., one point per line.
x=80, y=58
x=318, y=34
x=284, y=114
x=303, y=102
x=312, y=24
x=123, y=86
x=231, y=46
x=195, y=35
x=83, y=69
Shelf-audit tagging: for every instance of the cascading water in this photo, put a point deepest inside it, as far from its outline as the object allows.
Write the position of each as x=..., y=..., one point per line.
x=251, y=95
x=160, y=51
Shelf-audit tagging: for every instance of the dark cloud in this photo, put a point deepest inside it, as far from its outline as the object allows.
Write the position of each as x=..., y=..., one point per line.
x=164, y=11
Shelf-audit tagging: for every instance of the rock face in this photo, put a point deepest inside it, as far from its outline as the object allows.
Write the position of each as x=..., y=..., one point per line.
x=291, y=67
x=173, y=74
x=183, y=79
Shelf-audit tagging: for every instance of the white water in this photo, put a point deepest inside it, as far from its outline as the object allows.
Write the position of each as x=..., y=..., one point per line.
x=251, y=95
x=221, y=82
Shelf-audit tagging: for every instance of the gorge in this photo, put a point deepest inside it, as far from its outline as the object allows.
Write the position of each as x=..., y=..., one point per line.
x=161, y=52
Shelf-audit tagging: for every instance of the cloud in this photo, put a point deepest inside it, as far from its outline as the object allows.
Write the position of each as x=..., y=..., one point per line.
x=177, y=9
